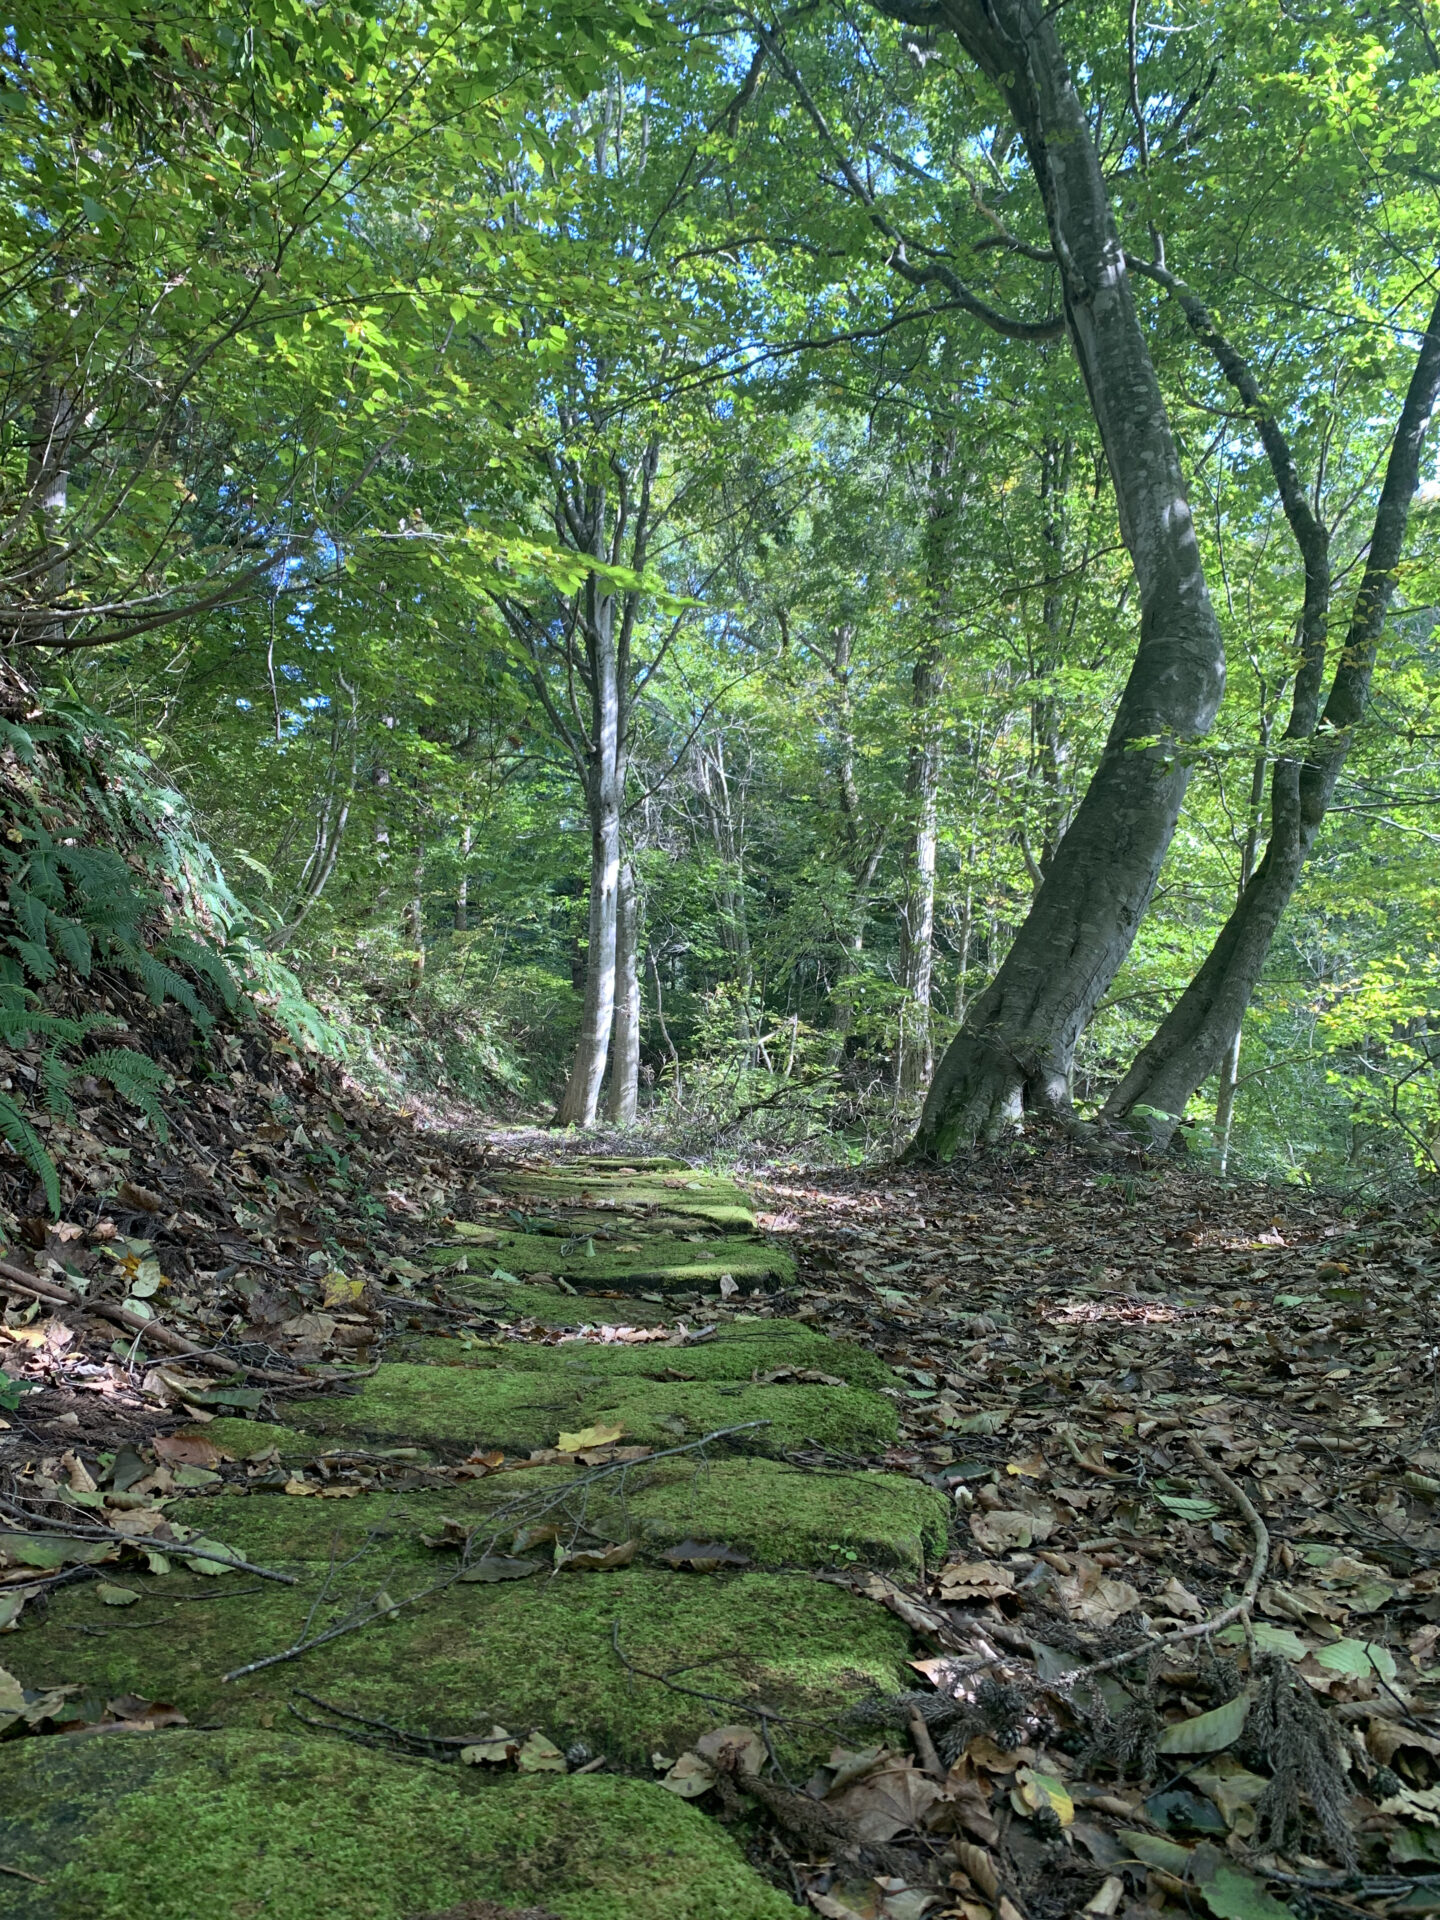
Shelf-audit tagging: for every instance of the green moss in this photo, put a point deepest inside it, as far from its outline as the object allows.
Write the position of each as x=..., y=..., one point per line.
x=552, y=1306
x=236, y=1826
x=690, y=1195
x=633, y=1262
x=737, y=1351
x=780, y=1515
x=502, y=1407
x=535, y=1653
x=786, y=1516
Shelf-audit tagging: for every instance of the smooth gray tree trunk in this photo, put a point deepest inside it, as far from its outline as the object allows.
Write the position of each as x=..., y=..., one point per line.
x=1017, y=1045
x=623, y=1093
x=915, y=1054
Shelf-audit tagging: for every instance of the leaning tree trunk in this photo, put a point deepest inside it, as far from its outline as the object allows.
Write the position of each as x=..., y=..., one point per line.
x=623, y=1094
x=1016, y=1048
x=1189, y=1043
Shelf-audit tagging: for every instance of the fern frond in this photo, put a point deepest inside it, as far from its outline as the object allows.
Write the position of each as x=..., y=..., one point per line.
x=23, y=1140
x=136, y=1079
x=39, y=962
x=55, y=1081
x=72, y=943
x=207, y=963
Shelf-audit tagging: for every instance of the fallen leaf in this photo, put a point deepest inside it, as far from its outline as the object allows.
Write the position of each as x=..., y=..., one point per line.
x=496, y=1751
x=703, y=1557
x=113, y=1596
x=341, y=1290
x=974, y=1580
x=1002, y=1531
x=689, y=1777
x=588, y=1437
x=1206, y=1732
x=500, y=1566
x=1180, y=1602
x=597, y=1560
x=539, y=1755
x=1040, y=1790
x=1090, y=1595
x=739, y=1747
x=893, y=1798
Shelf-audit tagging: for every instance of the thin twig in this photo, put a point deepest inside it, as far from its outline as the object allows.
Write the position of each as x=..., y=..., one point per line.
x=39, y=1525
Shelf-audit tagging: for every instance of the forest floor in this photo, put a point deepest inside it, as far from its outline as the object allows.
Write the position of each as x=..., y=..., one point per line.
x=621, y=1538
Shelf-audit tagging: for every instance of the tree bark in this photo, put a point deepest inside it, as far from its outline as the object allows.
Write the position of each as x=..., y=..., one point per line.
x=1016, y=1048
x=914, y=1048
x=623, y=1094
x=1189, y=1043
x=604, y=795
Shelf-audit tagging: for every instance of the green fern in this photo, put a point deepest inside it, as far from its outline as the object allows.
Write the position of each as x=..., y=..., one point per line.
x=136, y=1079
x=18, y=1133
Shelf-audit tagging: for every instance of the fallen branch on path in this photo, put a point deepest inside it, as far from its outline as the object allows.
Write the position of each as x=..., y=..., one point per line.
x=19, y=1281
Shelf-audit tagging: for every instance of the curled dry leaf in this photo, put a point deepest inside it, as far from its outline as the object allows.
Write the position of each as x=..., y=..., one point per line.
x=974, y=1580
x=738, y=1747
x=597, y=1560
x=1089, y=1594
x=597, y=1436
x=894, y=1797
x=1002, y=1531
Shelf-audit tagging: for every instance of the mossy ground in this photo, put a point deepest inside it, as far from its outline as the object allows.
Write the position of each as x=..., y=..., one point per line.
x=538, y=1653
x=696, y=1196
x=551, y=1306
x=495, y=1406
x=236, y=1826
x=739, y=1351
x=250, y=1820
x=628, y=1262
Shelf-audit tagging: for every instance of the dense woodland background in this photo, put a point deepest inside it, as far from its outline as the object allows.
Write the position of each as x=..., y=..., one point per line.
x=604, y=518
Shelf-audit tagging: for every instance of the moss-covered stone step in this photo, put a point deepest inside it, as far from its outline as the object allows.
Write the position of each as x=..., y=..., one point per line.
x=697, y=1196
x=505, y=1407
x=530, y=1654
x=778, y=1514
x=631, y=1163
x=628, y=1262
x=740, y=1350
x=238, y=1825
x=513, y=1303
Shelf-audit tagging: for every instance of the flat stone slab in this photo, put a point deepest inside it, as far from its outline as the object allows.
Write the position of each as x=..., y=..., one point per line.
x=778, y=1514
x=529, y=1654
x=234, y=1825
x=500, y=1406
x=627, y=1262
x=698, y=1196
x=741, y=1350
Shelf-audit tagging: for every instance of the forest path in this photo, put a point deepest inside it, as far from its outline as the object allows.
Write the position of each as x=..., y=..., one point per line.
x=652, y=1452
x=555, y=1531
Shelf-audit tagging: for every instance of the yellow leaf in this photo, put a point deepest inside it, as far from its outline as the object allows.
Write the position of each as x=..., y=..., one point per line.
x=588, y=1437
x=341, y=1290
x=1040, y=1790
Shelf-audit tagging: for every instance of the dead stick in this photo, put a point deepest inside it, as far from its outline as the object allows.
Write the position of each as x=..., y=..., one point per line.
x=1242, y=1608
x=175, y=1343
x=925, y=1747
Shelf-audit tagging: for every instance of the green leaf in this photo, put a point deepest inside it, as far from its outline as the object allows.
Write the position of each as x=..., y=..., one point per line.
x=1187, y=1506
x=1168, y=1855
x=1206, y=1732
x=1228, y=1891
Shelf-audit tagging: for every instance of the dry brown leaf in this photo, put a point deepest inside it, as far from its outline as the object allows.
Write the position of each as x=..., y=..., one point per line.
x=894, y=1798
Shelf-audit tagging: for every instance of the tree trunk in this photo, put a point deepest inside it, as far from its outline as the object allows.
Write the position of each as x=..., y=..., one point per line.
x=1230, y=1065
x=624, y=1090
x=604, y=793
x=462, y=891
x=1018, y=1044
x=915, y=1054
x=1189, y=1043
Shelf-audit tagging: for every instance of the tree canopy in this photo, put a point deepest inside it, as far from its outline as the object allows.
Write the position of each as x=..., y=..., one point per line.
x=850, y=575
